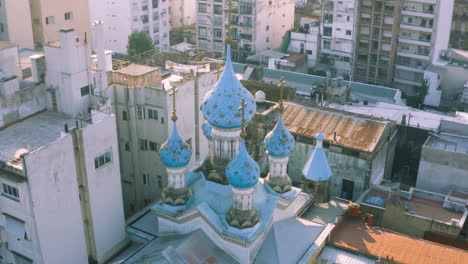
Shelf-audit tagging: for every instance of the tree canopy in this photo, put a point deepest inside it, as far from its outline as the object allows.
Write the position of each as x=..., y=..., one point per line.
x=138, y=42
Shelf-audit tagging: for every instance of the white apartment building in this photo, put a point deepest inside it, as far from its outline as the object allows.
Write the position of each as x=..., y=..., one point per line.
x=338, y=34
x=142, y=103
x=122, y=17
x=306, y=39
x=423, y=35
x=182, y=13
x=256, y=25
x=16, y=30
x=61, y=197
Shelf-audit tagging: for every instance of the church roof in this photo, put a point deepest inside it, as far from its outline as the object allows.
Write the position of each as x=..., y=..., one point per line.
x=243, y=172
x=221, y=105
x=175, y=152
x=279, y=142
x=206, y=127
x=317, y=167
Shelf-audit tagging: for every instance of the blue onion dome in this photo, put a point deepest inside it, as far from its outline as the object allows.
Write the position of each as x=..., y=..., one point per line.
x=279, y=142
x=242, y=172
x=175, y=152
x=206, y=127
x=221, y=105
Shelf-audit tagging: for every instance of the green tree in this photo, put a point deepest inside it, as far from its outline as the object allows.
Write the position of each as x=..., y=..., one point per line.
x=138, y=42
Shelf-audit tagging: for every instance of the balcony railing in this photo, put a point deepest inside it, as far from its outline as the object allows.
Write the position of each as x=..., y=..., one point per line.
x=418, y=10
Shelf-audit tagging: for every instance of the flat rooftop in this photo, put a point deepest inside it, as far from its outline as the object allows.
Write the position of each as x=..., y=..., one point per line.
x=353, y=131
x=324, y=213
x=6, y=45
x=353, y=234
x=448, y=143
x=32, y=133
x=136, y=69
x=416, y=118
x=417, y=205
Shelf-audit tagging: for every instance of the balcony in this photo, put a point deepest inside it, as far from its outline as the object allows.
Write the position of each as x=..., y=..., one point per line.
x=421, y=41
x=245, y=36
x=416, y=27
x=245, y=24
x=409, y=11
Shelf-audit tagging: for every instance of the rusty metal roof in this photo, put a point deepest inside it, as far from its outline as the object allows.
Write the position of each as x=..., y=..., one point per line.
x=353, y=234
x=352, y=130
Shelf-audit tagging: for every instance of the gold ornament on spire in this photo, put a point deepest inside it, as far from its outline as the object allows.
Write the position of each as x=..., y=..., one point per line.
x=242, y=107
x=281, y=84
x=229, y=25
x=173, y=92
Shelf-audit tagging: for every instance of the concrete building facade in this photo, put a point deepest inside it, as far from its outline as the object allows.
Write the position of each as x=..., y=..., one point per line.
x=182, y=13
x=59, y=168
x=143, y=106
x=306, y=39
x=122, y=17
x=13, y=29
x=338, y=34
x=459, y=32
x=256, y=25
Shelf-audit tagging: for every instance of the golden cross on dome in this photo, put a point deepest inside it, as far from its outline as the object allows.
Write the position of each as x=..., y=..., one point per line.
x=229, y=26
x=173, y=90
x=281, y=84
x=242, y=108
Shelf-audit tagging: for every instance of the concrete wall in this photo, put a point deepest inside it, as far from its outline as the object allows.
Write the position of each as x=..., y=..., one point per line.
x=9, y=59
x=16, y=19
x=343, y=166
x=55, y=201
x=442, y=24
x=104, y=185
x=182, y=13
x=117, y=22
x=434, y=92
x=436, y=163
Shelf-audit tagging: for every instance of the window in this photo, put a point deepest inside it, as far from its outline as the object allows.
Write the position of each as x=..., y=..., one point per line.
x=153, y=146
x=267, y=40
x=68, y=16
x=2, y=28
x=85, y=90
x=141, y=112
x=159, y=181
x=10, y=191
x=218, y=9
x=218, y=33
x=143, y=143
x=146, y=180
x=327, y=31
x=267, y=28
x=124, y=115
x=348, y=32
x=202, y=32
x=152, y=114
x=15, y=227
x=202, y=8
x=102, y=160
x=127, y=146
x=49, y=20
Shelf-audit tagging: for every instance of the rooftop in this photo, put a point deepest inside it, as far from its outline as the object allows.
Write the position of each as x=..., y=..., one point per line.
x=325, y=213
x=6, y=45
x=352, y=130
x=398, y=113
x=32, y=133
x=448, y=143
x=136, y=69
x=334, y=255
x=353, y=234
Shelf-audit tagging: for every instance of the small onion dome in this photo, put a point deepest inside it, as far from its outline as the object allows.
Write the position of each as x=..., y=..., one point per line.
x=220, y=106
x=207, y=130
x=175, y=152
x=242, y=172
x=317, y=167
x=279, y=142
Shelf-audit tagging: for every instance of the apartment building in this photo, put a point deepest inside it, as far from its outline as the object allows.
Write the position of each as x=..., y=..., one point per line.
x=142, y=102
x=423, y=35
x=61, y=198
x=459, y=32
x=182, y=13
x=122, y=17
x=49, y=16
x=376, y=41
x=338, y=33
x=12, y=29
x=256, y=25
x=399, y=39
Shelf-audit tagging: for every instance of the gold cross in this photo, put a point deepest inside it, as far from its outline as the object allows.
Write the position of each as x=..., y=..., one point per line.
x=218, y=70
x=229, y=27
x=172, y=93
x=281, y=84
x=242, y=108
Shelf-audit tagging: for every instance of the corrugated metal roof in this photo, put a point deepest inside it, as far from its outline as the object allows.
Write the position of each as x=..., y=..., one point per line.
x=332, y=255
x=352, y=130
x=355, y=235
